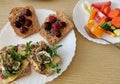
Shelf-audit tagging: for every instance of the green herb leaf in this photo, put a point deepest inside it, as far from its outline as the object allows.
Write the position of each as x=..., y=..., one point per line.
x=14, y=72
x=23, y=57
x=52, y=50
x=27, y=49
x=58, y=70
x=37, y=44
x=56, y=47
x=26, y=56
x=55, y=67
x=16, y=56
x=6, y=73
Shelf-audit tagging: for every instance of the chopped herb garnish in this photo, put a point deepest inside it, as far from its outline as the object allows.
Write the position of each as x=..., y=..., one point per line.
x=27, y=49
x=6, y=73
x=55, y=67
x=23, y=57
x=37, y=44
x=52, y=50
x=58, y=70
x=15, y=56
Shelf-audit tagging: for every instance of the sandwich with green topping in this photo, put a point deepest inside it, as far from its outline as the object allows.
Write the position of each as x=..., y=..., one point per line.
x=13, y=63
x=44, y=59
x=15, y=60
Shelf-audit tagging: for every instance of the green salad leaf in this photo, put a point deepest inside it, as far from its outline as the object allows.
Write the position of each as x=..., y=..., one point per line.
x=58, y=70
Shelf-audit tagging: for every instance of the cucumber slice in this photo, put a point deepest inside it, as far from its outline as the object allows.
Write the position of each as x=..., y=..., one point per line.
x=109, y=23
x=113, y=28
x=117, y=32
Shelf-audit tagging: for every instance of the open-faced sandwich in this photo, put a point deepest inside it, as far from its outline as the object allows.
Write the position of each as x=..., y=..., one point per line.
x=44, y=59
x=24, y=21
x=13, y=63
x=55, y=27
x=15, y=60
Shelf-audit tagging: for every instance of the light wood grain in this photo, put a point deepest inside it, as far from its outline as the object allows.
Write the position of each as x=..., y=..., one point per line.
x=93, y=63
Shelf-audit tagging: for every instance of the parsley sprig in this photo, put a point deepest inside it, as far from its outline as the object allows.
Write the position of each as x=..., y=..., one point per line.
x=52, y=50
x=27, y=49
x=55, y=67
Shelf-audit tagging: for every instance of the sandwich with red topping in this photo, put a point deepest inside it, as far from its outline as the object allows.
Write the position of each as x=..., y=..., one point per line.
x=24, y=21
x=56, y=27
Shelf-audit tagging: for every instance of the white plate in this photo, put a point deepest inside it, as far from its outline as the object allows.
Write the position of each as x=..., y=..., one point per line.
x=80, y=19
x=67, y=51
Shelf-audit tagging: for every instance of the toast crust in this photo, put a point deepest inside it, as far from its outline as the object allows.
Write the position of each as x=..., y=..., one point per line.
x=32, y=29
x=37, y=65
x=26, y=69
x=53, y=39
x=24, y=73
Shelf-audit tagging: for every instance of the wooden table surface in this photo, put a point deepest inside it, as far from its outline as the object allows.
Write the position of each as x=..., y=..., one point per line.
x=92, y=64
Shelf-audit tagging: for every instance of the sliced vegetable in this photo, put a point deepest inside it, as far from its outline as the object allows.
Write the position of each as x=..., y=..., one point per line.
x=90, y=24
x=97, y=31
x=93, y=12
x=108, y=32
x=99, y=16
x=114, y=13
x=105, y=10
x=113, y=28
x=107, y=27
x=117, y=32
x=101, y=22
x=93, y=26
x=116, y=22
x=104, y=20
x=100, y=4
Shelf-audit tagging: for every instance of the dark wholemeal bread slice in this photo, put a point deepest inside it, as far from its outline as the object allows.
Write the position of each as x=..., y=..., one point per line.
x=53, y=35
x=24, y=21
